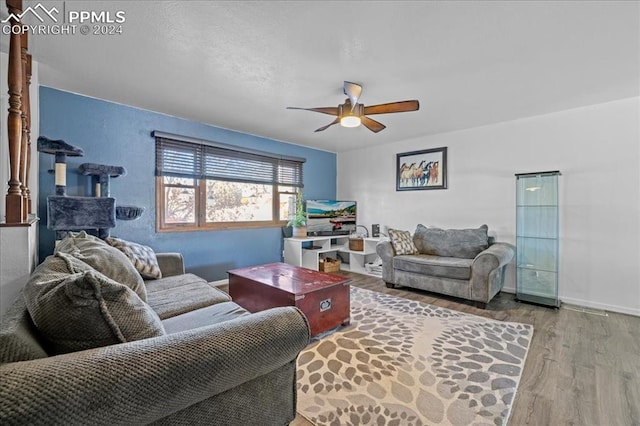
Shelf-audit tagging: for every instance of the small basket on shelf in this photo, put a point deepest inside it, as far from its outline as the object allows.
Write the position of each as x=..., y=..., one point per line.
x=329, y=264
x=356, y=239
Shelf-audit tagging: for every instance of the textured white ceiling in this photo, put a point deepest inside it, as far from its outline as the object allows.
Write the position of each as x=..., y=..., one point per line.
x=239, y=64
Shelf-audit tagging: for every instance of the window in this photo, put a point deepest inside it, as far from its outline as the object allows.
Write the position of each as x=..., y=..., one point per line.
x=206, y=185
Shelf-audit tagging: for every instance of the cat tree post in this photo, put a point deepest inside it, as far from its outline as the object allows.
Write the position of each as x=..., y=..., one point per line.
x=101, y=175
x=61, y=173
x=60, y=149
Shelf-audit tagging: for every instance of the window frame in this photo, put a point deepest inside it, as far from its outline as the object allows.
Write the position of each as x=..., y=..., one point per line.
x=200, y=185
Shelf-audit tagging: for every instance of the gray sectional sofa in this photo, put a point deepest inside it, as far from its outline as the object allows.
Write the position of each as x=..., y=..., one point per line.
x=464, y=263
x=170, y=351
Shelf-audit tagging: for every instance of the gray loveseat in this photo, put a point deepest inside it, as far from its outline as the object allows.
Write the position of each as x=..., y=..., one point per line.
x=208, y=362
x=464, y=263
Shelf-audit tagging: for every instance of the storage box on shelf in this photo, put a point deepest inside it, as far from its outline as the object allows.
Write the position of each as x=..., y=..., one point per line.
x=356, y=244
x=307, y=252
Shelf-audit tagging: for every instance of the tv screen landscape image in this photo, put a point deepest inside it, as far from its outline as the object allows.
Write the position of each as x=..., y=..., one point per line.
x=331, y=217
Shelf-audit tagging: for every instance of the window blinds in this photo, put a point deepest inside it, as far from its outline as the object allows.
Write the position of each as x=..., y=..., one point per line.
x=193, y=158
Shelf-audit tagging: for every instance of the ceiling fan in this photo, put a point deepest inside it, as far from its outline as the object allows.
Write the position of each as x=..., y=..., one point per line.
x=352, y=114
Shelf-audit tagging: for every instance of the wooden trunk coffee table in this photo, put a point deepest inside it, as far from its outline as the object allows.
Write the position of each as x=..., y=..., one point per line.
x=323, y=298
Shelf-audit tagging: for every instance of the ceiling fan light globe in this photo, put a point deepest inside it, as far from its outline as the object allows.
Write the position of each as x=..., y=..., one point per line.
x=350, y=121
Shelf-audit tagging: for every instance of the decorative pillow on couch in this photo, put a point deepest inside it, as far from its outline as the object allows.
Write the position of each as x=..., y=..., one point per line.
x=76, y=307
x=143, y=257
x=460, y=243
x=402, y=242
x=103, y=258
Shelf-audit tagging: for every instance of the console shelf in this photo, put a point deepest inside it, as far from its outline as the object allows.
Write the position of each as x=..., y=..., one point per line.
x=298, y=252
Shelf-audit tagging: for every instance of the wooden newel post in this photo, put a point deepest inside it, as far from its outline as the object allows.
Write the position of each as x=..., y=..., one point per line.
x=27, y=98
x=25, y=127
x=14, y=199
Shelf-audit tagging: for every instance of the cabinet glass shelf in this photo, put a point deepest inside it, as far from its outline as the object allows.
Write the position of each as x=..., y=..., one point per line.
x=537, y=238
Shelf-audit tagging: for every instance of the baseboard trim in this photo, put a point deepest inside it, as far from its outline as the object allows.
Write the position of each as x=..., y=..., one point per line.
x=219, y=283
x=589, y=304
x=601, y=306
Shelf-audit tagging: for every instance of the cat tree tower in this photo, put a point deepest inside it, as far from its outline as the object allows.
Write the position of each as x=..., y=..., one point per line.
x=75, y=213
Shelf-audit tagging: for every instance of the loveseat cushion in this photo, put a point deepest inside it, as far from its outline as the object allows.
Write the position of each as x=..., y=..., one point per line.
x=103, y=258
x=75, y=307
x=175, y=295
x=435, y=266
x=461, y=243
x=142, y=257
x=202, y=317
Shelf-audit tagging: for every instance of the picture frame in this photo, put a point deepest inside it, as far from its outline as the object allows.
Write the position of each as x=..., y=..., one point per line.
x=425, y=169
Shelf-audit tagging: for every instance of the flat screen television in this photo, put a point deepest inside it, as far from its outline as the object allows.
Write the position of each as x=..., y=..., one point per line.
x=331, y=217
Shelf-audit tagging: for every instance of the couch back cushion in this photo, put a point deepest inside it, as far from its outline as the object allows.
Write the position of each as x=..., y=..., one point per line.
x=461, y=243
x=107, y=260
x=75, y=307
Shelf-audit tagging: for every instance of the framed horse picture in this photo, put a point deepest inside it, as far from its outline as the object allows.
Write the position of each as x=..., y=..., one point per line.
x=426, y=169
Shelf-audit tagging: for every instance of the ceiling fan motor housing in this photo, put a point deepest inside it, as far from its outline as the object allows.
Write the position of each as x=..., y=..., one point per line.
x=346, y=110
x=350, y=115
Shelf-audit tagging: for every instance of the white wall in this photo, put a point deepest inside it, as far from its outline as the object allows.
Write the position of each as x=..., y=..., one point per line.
x=597, y=149
x=18, y=258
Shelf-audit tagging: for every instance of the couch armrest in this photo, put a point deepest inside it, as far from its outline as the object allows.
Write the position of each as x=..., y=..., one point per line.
x=170, y=264
x=498, y=254
x=384, y=249
x=486, y=270
x=146, y=380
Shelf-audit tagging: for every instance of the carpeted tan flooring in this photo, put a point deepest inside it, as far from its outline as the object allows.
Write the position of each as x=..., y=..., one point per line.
x=410, y=363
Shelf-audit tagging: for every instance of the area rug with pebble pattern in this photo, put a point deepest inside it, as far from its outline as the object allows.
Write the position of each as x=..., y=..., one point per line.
x=403, y=362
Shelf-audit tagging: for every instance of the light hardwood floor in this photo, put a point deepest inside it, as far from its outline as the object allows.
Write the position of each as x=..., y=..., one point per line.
x=582, y=368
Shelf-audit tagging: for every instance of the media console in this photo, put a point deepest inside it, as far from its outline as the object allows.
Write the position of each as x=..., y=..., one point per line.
x=306, y=252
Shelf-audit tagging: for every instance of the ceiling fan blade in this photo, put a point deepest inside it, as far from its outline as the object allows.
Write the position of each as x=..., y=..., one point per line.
x=372, y=125
x=402, y=106
x=336, y=121
x=324, y=110
x=353, y=91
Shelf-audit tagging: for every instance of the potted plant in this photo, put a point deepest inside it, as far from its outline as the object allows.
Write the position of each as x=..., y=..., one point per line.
x=299, y=220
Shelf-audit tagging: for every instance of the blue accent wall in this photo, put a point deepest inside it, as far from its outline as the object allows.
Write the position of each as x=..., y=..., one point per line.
x=120, y=135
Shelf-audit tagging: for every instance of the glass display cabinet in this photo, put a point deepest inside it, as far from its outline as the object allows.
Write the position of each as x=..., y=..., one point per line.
x=537, y=238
